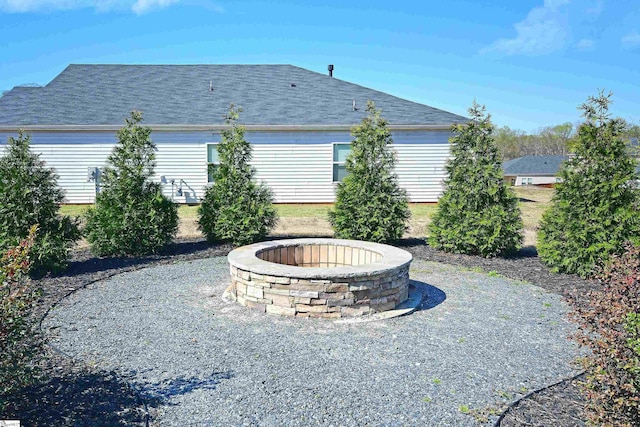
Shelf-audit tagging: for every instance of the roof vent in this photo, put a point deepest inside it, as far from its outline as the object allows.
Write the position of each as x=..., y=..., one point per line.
x=355, y=108
x=330, y=67
x=210, y=85
x=293, y=84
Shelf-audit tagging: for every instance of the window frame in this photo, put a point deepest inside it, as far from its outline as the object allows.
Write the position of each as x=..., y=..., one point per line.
x=215, y=144
x=337, y=163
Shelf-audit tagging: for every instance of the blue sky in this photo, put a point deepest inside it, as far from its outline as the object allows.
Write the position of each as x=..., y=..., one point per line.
x=531, y=62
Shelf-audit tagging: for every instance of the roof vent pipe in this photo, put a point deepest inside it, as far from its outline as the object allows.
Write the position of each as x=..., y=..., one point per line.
x=330, y=70
x=210, y=85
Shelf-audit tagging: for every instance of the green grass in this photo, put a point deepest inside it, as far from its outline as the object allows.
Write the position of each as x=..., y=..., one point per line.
x=184, y=211
x=74, y=210
x=299, y=210
x=187, y=212
x=422, y=210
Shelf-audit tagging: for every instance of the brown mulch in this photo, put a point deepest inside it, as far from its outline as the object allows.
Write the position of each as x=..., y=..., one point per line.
x=561, y=404
x=74, y=394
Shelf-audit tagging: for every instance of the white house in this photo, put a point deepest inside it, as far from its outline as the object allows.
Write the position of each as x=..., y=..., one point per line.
x=297, y=120
x=533, y=170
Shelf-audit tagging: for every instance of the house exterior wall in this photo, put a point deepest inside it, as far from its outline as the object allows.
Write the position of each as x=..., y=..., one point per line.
x=296, y=165
x=520, y=180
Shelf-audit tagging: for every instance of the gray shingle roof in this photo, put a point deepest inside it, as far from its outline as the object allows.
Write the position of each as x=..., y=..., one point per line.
x=180, y=95
x=534, y=165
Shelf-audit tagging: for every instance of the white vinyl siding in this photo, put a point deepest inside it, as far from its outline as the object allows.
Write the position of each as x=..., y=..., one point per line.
x=297, y=166
x=421, y=170
x=295, y=173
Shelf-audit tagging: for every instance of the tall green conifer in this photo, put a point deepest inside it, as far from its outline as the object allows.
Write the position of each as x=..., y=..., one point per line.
x=370, y=205
x=235, y=208
x=594, y=210
x=131, y=215
x=477, y=214
x=29, y=195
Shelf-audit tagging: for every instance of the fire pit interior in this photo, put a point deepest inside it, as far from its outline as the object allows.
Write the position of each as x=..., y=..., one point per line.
x=319, y=277
x=319, y=255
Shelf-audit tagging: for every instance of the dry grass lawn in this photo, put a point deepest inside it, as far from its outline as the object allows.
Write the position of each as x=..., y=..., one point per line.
x=311, y=219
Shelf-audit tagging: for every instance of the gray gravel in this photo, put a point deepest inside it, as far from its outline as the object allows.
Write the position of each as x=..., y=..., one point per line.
x=478, y=343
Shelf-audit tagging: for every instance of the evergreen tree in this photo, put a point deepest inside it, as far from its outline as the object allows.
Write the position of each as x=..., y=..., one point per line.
x=235, y=208
x=477, y=214
x=131, y=215
x=594, y=210
x=370, y=205
x=29, y=195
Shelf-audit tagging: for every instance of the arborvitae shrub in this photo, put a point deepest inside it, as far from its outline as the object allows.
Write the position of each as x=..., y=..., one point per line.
x=610, y=329
x=131, y=215
x=19, y=343
x=594, y=210
x=29, y=195
x=477, y=214
x=370, y=205
x=235, y=208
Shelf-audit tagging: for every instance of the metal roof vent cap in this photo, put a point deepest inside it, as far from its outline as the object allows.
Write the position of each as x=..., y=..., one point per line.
x=330, y=67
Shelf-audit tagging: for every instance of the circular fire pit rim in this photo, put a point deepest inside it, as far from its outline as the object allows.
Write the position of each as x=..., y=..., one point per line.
x=246, y=258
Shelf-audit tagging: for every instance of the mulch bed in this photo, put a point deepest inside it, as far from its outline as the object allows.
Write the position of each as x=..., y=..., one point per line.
x=72, y=393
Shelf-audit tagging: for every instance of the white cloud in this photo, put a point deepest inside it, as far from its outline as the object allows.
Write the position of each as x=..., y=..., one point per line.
x=20, y=6
x=143, y=6
x=136, y=6
x=631, y=40
x=596, y=8
x=542, y=31
x=585, y=44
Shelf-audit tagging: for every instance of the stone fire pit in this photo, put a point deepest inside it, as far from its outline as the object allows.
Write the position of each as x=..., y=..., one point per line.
x=319, y=277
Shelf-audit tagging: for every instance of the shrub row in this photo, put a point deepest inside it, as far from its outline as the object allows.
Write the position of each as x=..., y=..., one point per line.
x=593, y=213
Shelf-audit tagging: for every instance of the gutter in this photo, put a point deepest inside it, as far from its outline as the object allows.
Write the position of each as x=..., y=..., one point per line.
x=210, y=128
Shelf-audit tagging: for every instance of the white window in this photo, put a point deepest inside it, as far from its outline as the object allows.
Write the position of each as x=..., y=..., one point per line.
x=340, y=153
x=527, y=181
x=212, y=160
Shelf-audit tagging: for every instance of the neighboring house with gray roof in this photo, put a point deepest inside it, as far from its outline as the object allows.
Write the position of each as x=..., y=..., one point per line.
x=533, y=170
x=297, y=120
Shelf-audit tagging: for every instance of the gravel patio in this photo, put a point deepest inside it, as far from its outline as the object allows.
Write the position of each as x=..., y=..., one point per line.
x=479, y=342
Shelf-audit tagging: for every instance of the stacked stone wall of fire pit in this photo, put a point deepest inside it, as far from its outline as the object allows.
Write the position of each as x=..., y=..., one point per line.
x=319, y=277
